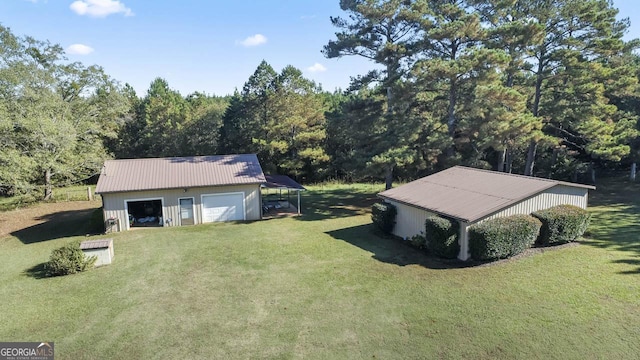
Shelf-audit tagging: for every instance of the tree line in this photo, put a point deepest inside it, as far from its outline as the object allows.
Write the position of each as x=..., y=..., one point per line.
x=535, y=87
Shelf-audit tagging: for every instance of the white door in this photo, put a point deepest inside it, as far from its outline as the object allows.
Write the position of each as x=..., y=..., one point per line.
x=222, y=207
x=186, y=211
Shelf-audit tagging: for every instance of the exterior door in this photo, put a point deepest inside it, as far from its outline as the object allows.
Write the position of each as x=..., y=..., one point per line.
x=222, y=207
x=186, y=211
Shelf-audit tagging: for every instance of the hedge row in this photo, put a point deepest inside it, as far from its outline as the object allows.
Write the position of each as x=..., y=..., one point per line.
x=562, y=224
x=441, y=236
x=503, y=237
x=383, y=216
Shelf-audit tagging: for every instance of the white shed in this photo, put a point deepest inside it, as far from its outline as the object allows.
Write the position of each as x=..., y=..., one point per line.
x=102, y=249
x=472, y=195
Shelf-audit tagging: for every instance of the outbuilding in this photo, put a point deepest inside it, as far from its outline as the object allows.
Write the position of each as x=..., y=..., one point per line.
x=471, y=196
x=180, y=191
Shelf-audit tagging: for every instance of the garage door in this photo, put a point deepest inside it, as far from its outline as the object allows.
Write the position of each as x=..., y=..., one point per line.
x=222, y=207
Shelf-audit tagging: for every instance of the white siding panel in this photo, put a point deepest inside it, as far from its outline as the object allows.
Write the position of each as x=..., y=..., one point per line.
x=409, y=221
x=557, y=195
x=113, y=203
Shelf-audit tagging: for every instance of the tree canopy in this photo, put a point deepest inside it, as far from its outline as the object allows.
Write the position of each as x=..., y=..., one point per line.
x=537, y=87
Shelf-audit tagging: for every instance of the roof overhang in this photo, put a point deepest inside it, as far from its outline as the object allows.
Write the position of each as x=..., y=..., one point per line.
x=177, y=188
x=281, y=182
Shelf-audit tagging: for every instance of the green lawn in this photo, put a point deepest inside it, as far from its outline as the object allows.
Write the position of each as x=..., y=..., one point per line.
x=324, y=286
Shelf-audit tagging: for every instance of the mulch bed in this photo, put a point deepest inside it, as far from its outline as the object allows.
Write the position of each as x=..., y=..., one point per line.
x=529, y=252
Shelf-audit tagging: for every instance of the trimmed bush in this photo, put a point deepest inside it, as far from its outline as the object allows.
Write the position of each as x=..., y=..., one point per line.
x=68, y=259
x=442, y=236
x=503, y=237
x=418, y=241
x=562, y=224
x=384, y=216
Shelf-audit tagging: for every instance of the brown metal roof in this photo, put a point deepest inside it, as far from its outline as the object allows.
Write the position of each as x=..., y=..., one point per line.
x=179, y=172
x=281, y=182
x=469, y=194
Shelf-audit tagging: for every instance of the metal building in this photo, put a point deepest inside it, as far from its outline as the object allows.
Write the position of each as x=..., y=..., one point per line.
x=180, y=191
x=472, y=195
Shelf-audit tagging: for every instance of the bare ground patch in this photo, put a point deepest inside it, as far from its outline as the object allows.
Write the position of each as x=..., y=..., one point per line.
x=20, y=219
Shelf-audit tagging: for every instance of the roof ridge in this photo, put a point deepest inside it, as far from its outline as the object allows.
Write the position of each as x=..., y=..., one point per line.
x=180, y=157
x=554, y=181
x=507, y=174
x=471, y=190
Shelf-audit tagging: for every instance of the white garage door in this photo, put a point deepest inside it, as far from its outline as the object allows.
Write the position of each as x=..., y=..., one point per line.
x=222, y=207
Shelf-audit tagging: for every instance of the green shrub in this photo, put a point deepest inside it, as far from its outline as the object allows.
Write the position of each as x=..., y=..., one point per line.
x=384, y=216
x=418, y=240
x=442, y=236
x=68, y=259
x=502, y=237
x=562, y=224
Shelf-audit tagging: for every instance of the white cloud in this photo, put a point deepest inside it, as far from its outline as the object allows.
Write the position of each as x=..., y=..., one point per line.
x=100, y=8
x=255, y=40
x=79, y=49
x=317, y=67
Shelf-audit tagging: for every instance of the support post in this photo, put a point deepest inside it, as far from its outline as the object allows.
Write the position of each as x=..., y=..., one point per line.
x=463, y=240
x=298, y=202
x=89, y=193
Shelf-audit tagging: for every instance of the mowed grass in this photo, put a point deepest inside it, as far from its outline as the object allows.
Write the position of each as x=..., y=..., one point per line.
x=325, y=286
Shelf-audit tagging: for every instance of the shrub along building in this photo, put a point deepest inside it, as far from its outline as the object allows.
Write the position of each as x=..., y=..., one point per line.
x=180, y=191
x=470, y=196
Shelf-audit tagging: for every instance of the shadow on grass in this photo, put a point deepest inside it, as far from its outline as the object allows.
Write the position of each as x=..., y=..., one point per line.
x=393, y=250
x=615, y=209
x=62, y=224
x=36, y=271
x=335, y=203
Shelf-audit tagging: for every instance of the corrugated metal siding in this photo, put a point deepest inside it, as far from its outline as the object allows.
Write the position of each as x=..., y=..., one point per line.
x=114, y=203
x=557, y=195
x=409, y=220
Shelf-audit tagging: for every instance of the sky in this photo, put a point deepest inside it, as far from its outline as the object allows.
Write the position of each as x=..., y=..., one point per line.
x=211, y=46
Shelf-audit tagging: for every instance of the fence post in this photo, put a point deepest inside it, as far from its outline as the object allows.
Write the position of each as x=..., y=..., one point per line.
x=89, y=193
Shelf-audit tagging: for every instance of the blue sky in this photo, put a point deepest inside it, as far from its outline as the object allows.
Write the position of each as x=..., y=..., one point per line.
x=209, y=46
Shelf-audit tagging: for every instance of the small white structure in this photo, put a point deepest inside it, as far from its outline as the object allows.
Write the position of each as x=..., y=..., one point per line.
x=102, y=249
x=472, y=195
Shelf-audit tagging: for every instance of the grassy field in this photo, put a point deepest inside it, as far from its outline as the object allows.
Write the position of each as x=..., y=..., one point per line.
x=324, y=286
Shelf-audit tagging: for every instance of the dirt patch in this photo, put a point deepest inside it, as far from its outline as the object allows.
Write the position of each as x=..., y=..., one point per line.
x=20, y=219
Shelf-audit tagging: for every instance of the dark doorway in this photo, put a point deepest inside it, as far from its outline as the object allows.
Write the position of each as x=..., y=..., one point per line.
x=145, y=213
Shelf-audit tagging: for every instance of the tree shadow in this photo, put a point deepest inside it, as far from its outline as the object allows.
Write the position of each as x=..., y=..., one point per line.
x=36, y=271
x=335, y=203
x=393, y=250
x=615, y=209
x=632, y=262
x=62, y=224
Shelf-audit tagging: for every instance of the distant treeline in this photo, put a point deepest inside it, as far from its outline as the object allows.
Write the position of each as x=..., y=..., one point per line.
x=535, y=87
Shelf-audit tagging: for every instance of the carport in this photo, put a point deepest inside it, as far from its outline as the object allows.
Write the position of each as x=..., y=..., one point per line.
x=274, y=198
